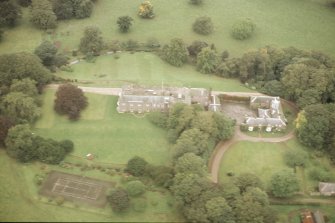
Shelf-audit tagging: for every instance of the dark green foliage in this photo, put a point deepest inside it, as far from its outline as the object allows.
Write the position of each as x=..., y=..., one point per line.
x=25, y=86
x=20, y=107
x=284, y=184
x=63, y=9
x=67, y=145
x=1, y=34
x=224, y=55
x=67, y=9
x=274, y=88
x=42, y=15
x=158, y=118
x=195, y=48
x=246, y=180
x=70, y=100
x=243, y=29
x=218, y=210
x=24, y=3
x=225, y=126
x=48, y=150
x=19, y=143
x=203, y=25
x=321, y=175
x=136, y=166
x=60, y=60
x=190, y=163
x=294, y=158
x=161, y=175
x=119, y=200
x=175, y=53
x=9, y=13
x=46, y=51
x=5, y=124
x=92, y=41
x=135, y=188
x=207, y=61
x=196, y=2
x=82, y=8
x=20, y=66
x=124, y=23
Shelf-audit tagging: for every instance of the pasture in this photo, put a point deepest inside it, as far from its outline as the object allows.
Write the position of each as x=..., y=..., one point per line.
x=304, y=24
x=109, y=136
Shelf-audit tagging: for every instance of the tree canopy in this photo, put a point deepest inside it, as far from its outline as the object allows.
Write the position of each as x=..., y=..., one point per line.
x=9, y=13
x=42, y=15
x=92, y=41
x=284, y=184
x=175, y=53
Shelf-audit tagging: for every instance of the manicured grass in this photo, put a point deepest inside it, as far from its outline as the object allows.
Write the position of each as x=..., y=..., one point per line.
x=19, y=200
x=303, y=24
x=148, y=69
x=294, y=212
x=111, y=137
x=264, y=159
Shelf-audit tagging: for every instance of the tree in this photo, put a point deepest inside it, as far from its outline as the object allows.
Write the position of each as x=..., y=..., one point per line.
x=63, y=9
x=70, y=100
x=246, y=180
x=9, y=13
x=5, y=125
x=46, y=51
x=284, y=184
x=42, y=15
x=243, y=29
x=146, y=10
x=135, y=188
x=136, y=166
x=20, y=66
x=205, y=123
x=225, y=126
x=207, y=61
x=294, y=158
x=24, y=3
x=92, y=41
x=124, y=23
x=191, y=163
x=218, y=210
x=203, y=25
x=20, y=107
x=175, y=53
x=25, y=86
x=195, y=48
x=1, y=34
x=48, y=150
x=67, y=145
x=119, y=200
x=19, y=143
x=247, y=210
x=196, y=2
x=67, y=9
x=82, y=8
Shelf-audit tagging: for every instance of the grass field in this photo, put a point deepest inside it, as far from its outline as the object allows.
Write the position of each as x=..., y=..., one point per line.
x=110, y=136
x=145, y=68
x=264, y=159
x=19, y=200
x=304, y=24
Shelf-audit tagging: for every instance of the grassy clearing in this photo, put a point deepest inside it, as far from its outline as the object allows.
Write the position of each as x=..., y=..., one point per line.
x=291, y=213
x=110, y=136
x=304, y=24
x=145, y=68
x=264, y=159
x=19, y=197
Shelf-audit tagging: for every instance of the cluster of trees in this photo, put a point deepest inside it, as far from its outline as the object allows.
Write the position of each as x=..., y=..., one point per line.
x=192, y=129
x=24, y=146
x=70, y=100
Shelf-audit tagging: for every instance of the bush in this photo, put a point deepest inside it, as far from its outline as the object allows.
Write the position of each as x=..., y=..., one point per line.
x=295, y=158
x=119, y=200
x=124, y=23
x=140, y=205
x=203, y=25
x=67, y=145
x=243, y=29
x=146, y=10
x=175, y=53
x=135, y=188
x=136, y=166
x=319, y=174
x=196, y=47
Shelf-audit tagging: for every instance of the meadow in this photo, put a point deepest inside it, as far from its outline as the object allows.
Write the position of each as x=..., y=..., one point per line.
x=304, y=24
x=111, y=137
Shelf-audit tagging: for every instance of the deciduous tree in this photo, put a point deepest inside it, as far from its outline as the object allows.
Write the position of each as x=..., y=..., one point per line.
x=136, y=166
x=284, y=184
x=203, y=25
x=207, y=61
x=124, y=23
x=92, y=41
x=42, y=15
x=119, y=200
x=46, y=51
x=190, y=163
x=175, y=53
x=243, y=29
x=9, y=13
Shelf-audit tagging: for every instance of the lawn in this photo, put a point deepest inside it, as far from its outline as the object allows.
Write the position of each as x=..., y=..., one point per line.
x=264, y=159
x=19, y=200
x=145, y=68
x=304, y=24
x=111, y=137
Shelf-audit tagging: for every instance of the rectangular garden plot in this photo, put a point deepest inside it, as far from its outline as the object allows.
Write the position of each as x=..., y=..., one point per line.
x=76, y=188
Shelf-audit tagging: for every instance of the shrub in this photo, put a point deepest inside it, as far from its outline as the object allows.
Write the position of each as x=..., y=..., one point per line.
x=146, y=10
x=319, y=174
x=196, y=47
x=136, y=166
x=175, y=53
x=207, y=60
x=67, y=145
x=243, y=29
x=135, y=188
x=124, y=23
x=119, y=200
x=295, y=158
x=203, y=25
